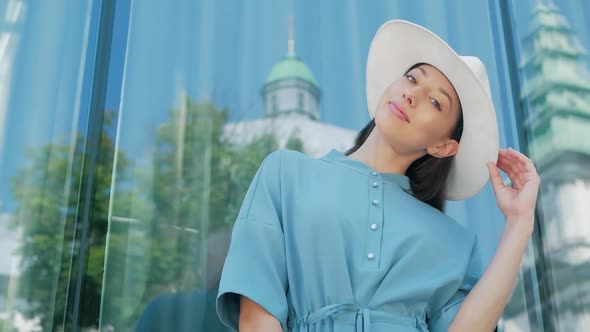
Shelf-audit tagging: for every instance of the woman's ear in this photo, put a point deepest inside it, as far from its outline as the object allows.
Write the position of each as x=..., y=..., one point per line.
x=448, y=148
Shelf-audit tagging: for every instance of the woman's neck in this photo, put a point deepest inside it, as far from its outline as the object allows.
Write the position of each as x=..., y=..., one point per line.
x=382, y=157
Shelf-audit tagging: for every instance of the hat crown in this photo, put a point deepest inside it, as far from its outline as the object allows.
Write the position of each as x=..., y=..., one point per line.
x=479, y=69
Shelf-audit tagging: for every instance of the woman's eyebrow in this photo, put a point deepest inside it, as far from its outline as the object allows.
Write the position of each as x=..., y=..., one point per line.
x=446, y=94
x=439, y=89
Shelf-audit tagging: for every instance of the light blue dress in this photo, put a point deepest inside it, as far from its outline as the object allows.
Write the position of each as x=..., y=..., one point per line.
x=329, y=244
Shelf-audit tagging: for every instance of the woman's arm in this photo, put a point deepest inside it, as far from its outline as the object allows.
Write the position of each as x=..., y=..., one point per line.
x=483, y=306
x=254, y=317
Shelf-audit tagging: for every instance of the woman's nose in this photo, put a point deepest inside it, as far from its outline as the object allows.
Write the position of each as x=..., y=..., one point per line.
x=412, y=95
x=409, y=98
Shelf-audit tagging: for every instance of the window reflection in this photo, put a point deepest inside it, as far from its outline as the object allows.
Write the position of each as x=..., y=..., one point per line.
x=555, y=90
x=42, y=61
x=208, y=91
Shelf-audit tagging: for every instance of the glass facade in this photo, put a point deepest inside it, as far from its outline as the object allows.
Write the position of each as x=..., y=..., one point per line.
x=550, y=45
x=130, y=131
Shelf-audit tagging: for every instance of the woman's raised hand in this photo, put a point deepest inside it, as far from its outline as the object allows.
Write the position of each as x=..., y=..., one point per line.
x=517, y=202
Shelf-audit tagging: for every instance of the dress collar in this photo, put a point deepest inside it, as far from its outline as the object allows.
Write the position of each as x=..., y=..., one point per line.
x=340, y=158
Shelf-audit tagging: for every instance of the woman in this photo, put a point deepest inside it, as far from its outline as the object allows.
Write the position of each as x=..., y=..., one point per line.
x=358, y=241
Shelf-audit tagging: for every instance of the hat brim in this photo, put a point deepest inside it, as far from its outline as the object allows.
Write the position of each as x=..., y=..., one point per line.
x=396, y=47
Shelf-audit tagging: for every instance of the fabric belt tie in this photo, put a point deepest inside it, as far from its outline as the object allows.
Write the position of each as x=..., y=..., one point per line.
x=362, y=319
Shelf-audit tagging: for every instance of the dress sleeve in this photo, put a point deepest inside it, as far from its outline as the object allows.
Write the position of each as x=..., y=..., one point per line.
x=255, y=264
x=442, y=318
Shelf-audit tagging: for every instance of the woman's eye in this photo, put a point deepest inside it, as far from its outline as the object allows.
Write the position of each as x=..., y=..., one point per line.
x=411, y=78
x=435, y=103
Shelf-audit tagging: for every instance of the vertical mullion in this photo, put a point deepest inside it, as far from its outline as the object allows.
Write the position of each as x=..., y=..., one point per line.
x=91, y=153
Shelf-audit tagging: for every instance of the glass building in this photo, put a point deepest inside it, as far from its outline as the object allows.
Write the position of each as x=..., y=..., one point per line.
x=130, y=130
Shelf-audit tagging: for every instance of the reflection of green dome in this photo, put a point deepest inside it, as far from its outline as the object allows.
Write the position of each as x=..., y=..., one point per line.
x=291, y=67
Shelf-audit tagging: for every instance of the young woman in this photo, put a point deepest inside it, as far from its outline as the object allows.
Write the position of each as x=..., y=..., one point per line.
x=359, y=241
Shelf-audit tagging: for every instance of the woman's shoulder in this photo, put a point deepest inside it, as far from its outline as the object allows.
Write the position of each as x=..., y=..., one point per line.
x=286, y=163
x=290, y=159
x=279, y=155
x=456, y=235
x=442, y=222
x=278, y=158
x=293, y=155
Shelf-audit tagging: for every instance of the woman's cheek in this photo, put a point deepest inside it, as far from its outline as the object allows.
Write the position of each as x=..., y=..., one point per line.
x=430, y=125
x=423, y=134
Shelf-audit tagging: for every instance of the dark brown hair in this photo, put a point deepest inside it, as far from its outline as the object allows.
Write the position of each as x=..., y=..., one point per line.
x=428, y=175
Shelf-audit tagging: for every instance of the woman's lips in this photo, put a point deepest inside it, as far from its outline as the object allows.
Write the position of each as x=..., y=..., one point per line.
x=396, y=109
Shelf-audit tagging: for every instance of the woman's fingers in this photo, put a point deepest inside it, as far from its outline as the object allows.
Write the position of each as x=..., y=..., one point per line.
x=519, y=168
x=495, y=177
x=514, y=161
x=507, y=165
x=524, y=160
x=529, y=172
x=520, y=198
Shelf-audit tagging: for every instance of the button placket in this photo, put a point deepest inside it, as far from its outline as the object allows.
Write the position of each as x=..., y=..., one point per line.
x=372, y=254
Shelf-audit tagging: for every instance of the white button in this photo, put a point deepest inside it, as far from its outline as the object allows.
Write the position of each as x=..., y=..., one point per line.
x=375, y=201
x=371, y=255
x=374, y=226
x=375, y=184
x=374, y=173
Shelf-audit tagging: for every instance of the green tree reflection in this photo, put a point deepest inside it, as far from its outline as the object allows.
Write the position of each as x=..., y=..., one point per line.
x=182, y=208
x=47, y=193
x=164, y=215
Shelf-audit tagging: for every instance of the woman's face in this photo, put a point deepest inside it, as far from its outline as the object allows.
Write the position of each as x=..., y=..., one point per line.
x=418, y=112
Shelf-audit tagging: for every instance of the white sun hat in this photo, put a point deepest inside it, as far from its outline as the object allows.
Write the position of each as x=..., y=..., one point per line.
x=397, y=46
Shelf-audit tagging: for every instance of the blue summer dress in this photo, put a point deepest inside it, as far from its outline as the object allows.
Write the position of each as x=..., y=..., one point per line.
x=329, y=244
